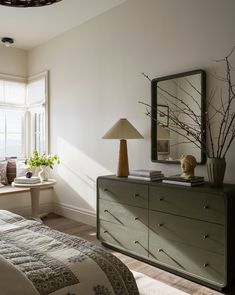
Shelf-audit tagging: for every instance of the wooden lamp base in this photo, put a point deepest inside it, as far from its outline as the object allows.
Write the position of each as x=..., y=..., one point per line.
x=123, y=167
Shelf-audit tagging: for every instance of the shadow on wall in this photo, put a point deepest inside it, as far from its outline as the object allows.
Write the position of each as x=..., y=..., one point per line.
x=76, y=175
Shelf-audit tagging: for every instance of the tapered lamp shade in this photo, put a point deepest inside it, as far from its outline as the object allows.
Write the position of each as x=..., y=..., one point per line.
x=123, y=130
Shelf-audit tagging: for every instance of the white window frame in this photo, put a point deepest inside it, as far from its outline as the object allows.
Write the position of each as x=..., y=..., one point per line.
x=27, y=130
x=30, y=121
x=12, y=106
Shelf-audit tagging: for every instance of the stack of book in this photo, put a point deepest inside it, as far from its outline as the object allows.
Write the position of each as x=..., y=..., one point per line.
x=142, y=174
x=25, y=180
x=179, y=180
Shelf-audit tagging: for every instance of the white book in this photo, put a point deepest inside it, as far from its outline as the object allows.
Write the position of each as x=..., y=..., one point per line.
x=23, y=179
x=145, y=172
x=27, y=182
x=146, y=178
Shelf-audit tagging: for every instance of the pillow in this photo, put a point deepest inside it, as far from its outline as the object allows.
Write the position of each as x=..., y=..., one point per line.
x=11, y=170
x=3, y=172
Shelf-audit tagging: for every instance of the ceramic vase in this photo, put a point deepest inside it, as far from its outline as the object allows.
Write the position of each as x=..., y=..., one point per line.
x=43, y=173
x=216, y=170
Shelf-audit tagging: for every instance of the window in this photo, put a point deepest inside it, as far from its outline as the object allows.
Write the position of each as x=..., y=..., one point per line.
x=23, y=116
x=39, y=131
x=37, y=112
x=11, y=133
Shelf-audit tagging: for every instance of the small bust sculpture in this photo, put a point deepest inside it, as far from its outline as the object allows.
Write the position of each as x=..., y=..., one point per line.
x=188, y=163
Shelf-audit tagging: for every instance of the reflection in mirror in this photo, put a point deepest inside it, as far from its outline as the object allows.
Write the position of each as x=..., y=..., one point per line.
x=178, y=126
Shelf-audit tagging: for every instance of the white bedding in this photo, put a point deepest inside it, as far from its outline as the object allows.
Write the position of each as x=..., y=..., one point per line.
x=35, y=259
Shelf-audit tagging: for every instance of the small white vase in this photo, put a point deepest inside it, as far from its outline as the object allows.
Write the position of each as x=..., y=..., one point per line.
x=43, y=174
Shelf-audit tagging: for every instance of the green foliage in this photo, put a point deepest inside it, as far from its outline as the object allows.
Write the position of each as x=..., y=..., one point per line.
x=42, y=160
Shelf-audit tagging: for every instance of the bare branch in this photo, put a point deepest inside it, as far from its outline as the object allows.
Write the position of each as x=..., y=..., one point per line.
x=178, y=127
x=146, y=76
x=222, y=116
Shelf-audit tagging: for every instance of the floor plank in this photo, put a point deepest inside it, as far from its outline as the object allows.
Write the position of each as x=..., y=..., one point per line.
x=89, y=233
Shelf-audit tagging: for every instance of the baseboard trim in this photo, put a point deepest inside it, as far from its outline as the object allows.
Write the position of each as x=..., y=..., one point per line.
x=69, y=211
x=75, y=213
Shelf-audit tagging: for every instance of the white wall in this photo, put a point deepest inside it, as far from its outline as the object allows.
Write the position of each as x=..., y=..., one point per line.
x=95, y=80
x=13, y=61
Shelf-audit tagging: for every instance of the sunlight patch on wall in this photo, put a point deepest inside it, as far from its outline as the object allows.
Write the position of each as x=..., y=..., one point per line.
x=79, y=171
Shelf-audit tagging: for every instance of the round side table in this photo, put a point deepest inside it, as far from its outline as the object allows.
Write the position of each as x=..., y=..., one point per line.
x=35, y=193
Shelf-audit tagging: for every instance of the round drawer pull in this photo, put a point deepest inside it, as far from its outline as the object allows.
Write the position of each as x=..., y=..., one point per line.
x=137, y=195
x=160, y=224
x=106, y=210
x=137, y=218
x=160, y=250
x=206, y=236
x=136, y=242
x=206, y=264
x=105, y=231
x=105, y=189
x=161, y=199
x=206, y=207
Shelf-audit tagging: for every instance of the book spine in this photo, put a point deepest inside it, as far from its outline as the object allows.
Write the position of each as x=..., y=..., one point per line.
x=184, y=180
x=26, y=182
x=177, y=182
x=144, y=178
x=183, y=183
x=139, y=177
x=145, y=174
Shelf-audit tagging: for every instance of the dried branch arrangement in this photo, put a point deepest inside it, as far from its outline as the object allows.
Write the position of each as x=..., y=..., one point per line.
x=185, y=119
x=224, y=115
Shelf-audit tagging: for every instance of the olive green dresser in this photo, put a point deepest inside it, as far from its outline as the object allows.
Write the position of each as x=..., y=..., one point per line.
x=189, y=231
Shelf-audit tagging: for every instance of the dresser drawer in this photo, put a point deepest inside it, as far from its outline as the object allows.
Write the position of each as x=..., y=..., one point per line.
x=132, y=240
x=128, y=216
x=205, y=235
x=123, y=192
x=208, y=207
x=203, y=264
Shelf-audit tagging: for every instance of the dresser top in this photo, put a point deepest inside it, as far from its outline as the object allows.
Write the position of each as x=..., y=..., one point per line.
x=205, y=188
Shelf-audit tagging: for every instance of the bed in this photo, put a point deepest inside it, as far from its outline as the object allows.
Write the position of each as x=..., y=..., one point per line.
x=35, y=259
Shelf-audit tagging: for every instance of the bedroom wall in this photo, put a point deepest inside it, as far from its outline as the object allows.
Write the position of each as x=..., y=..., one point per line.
x=13, y=61
x=95, y=79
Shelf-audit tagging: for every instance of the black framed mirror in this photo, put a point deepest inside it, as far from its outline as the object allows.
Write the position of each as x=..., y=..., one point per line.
x=178, y=117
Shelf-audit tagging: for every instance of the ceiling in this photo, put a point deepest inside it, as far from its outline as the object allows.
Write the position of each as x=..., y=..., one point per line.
x=31, y=27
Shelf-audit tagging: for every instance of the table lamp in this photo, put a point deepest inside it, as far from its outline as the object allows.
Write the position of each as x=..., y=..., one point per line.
x=122, y=130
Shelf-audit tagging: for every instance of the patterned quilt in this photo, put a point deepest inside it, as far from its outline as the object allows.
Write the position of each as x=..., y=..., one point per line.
x=35, y=259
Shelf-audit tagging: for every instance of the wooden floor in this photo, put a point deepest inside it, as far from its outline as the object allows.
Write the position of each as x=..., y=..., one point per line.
x=89, y=233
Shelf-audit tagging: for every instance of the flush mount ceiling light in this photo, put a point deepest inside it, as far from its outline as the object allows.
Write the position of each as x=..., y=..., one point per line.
x=27, y=3
x=7, y=41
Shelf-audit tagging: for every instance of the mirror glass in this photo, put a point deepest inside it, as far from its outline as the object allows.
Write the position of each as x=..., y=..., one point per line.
x=178, y=124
